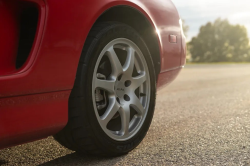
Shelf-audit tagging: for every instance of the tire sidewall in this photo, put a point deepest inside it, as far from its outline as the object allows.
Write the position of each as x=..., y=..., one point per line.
x=100, y=137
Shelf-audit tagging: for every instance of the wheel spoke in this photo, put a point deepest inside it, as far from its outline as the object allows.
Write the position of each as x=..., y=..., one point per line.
x=139, y=80
x=121, y=89
x=110, y=112
x=130, y=62
x=115, y=62
x=107, y=85
x=136, y=104
x=125, y=119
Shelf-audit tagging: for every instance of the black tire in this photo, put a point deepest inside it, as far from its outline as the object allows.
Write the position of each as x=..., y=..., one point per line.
x=83, y=132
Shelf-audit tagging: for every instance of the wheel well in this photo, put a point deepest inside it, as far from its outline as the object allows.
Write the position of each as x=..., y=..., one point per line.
x=140, y=23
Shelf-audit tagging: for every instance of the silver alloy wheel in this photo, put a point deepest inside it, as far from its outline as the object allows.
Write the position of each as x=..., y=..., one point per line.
x=120, y=88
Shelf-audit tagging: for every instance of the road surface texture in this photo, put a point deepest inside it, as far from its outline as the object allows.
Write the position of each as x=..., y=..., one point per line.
x=202, y=118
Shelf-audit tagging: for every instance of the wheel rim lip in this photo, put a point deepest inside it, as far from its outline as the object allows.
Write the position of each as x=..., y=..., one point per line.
x=130, y=43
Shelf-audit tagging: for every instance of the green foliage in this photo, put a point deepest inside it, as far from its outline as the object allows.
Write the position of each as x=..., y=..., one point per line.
x=185, y=27
x=220, y=42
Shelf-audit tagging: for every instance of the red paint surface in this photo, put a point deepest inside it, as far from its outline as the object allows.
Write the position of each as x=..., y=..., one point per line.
x=9, y=36
x=167, y=77
x=31, y=117
x=10, y=17
x=53, y=61
x=52, y=64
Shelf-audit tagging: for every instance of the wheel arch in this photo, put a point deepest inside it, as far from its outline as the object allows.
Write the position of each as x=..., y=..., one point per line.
x=138, y=21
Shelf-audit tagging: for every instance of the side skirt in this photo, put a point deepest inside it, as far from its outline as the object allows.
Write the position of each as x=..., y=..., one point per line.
x=27, y=118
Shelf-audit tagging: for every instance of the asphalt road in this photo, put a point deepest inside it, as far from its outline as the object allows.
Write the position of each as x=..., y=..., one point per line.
x=202, y=118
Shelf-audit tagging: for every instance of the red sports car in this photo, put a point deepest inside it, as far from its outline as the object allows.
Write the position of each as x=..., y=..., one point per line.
x=85, y=71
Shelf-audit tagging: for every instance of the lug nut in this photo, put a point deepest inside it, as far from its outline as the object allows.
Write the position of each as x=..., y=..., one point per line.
x=127, y=83
x=126, y=97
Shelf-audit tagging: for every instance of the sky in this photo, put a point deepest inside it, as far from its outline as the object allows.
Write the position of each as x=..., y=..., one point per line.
x=198, y=12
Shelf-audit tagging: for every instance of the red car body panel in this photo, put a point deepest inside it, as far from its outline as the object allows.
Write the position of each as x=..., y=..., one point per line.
x=34, y=98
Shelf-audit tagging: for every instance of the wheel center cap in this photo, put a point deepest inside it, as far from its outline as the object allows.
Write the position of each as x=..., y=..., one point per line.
x=119, y=89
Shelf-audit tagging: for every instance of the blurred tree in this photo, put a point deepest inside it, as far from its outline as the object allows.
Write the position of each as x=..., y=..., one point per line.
x=220, y=42
x=185, y=27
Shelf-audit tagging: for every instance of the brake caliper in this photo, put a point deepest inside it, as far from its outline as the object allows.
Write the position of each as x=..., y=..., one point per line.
x=100, y=96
